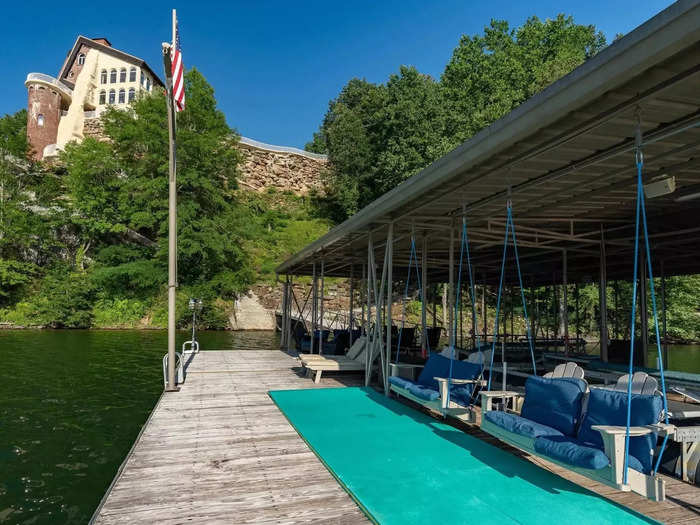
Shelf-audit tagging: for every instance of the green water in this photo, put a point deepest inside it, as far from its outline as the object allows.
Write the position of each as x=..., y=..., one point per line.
x=72, y=403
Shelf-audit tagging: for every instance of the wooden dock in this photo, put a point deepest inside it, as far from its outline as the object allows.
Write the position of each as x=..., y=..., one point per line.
x=220, y=451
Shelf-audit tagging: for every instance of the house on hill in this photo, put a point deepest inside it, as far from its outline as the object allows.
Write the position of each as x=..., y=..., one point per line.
x=94, y=75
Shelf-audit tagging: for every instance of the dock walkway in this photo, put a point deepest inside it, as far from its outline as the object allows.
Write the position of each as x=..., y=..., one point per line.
x=219, y=451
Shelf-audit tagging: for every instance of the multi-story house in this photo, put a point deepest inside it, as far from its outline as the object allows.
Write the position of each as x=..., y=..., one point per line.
x=94, y=75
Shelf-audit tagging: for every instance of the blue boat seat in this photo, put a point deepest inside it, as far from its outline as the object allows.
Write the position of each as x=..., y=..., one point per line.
x=554, y=402
x=519, y=425
x=425, y=387
x=572, y=452
x=609, y=407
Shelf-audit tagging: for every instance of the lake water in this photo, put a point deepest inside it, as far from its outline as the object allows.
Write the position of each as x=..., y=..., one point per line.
x=71, y=406
x=73, y=402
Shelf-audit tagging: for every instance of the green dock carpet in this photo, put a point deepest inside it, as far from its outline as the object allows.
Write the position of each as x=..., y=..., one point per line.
x=402, y=466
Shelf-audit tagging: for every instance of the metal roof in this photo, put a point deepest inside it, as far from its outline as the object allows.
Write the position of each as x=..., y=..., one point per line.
x=567, y=156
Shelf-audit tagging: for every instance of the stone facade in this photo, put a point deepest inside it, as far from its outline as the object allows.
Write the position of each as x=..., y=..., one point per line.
x=93, y=128
x=283, y=170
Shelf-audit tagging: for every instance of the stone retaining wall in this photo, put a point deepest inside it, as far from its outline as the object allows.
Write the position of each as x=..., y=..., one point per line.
x=284, y=171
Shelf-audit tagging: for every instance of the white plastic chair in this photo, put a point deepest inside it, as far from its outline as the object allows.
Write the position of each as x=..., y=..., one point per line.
x=642, y=383
x=569, y=369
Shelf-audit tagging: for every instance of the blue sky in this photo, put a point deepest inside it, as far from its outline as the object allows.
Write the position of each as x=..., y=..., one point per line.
x=275, y=65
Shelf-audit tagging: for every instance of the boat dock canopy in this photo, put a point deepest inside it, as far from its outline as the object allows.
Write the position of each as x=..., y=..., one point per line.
x=567, y=158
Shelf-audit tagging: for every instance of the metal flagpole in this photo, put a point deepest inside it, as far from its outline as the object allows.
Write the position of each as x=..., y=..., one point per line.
x=172, y=213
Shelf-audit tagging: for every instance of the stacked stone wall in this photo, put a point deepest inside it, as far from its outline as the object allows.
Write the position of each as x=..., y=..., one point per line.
x=284, y=171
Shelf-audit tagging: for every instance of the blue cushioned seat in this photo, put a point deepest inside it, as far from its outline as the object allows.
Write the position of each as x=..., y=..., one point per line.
x=609, y=407
x=429, y=394
x=401, y=382
x=567, y=450
x=519, y=425
x=425, y=387
x=554, y=402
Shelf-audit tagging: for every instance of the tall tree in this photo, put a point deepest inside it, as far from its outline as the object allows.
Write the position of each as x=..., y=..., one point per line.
x=491, y=73
x=119, y=191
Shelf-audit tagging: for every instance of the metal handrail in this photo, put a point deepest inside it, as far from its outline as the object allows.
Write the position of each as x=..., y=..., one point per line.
x=48, y=79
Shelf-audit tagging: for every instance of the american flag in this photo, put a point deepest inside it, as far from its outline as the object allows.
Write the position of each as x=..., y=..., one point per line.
x=178, y=73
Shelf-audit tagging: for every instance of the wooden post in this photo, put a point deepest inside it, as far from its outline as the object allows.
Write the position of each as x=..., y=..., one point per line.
x=314, y=305
x=285, y=299
x=321, y=297
x=423, y=299
x=565, y=302
x=352, y=301
x=603, y=299
x=663, y=314
x=172, y=211
x=451, y=289
x=644, y=319
x=389, y=286
x=371, y=284
x=484, y=312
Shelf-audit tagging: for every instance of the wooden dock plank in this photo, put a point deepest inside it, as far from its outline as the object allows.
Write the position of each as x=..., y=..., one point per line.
x=219, y=451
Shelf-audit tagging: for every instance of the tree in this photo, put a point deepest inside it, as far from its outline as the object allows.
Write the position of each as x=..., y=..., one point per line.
x=490, y=74
x=121, y=186
x=13, y=134
x=377, y=135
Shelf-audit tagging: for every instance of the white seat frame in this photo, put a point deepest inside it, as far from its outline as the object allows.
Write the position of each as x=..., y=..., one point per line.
x=649, y=486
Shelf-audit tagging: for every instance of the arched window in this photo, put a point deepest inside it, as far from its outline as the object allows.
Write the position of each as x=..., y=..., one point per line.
x=103, y=76
x=103, y=97
x=113, y=76
x=40, y=120
x=122, y=75
x=112, y=96
x=81, y=59
x=132, y=74
x=132, y=94
x=122, y=96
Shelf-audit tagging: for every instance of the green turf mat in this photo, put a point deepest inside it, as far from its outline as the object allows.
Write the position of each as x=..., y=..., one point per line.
x=402, y=466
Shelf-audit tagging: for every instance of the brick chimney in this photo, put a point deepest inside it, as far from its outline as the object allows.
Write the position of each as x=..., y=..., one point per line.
x=102, y=41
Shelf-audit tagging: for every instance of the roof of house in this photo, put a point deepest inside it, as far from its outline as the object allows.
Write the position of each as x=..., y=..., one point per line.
x=89, y=42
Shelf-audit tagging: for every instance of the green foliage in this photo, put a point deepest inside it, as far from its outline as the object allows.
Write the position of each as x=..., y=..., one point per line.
x=276, y=226
x=377, y=135
x=63, y=300
x=490, y=74
x=13, y=134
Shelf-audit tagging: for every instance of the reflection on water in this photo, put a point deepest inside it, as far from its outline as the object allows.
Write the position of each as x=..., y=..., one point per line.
x=684, y=358
x=72, y=405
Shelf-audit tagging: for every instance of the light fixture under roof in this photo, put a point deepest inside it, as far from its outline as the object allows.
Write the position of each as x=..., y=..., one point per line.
x=660, y=186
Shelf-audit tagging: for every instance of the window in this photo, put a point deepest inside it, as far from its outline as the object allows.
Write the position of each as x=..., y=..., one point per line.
x=132, y=74
x=112, y=96
x=148, y=84
x=40, y=120
x=113, y=76
x=132, y=94
x=122, y=75
x=103, y=76
x=143, y=78
x=103, y=97
x=81, y=59
x=122, y=96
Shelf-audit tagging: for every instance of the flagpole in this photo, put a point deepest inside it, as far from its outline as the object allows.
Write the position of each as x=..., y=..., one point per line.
x=172, y=212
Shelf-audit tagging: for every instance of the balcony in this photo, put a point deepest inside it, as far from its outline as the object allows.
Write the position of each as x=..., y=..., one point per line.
x=50, y=82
